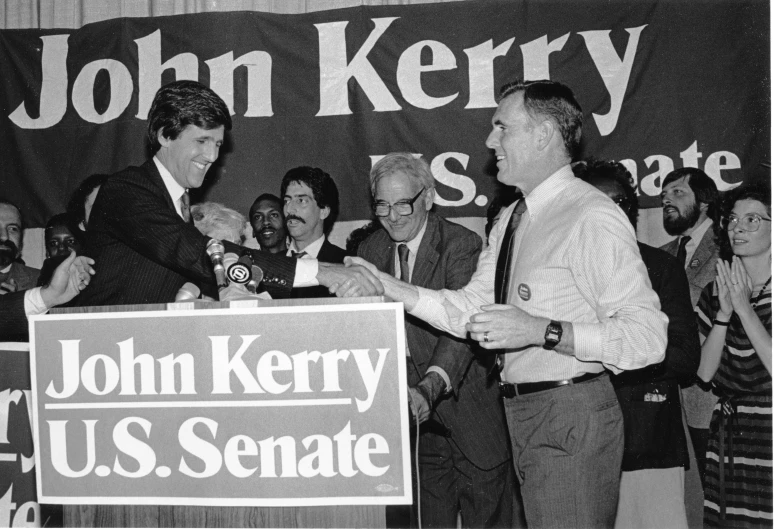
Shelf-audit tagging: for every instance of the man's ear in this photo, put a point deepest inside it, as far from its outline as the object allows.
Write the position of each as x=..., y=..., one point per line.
x=703, y=207
x=544, y=133
x=429, y=199
x=325, y=212
x=163, y=140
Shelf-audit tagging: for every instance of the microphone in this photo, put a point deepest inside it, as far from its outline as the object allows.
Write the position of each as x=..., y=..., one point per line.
x=187, y=292
x=255, y=279
x=240, y=272
x=215, y=251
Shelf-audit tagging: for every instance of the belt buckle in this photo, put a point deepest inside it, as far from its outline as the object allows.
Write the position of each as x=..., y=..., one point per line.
x=508, y=390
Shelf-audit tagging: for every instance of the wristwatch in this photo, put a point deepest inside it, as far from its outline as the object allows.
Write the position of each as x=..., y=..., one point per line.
x=553, y=335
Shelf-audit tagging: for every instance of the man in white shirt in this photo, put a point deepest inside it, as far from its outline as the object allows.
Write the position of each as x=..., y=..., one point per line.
x=573, y=298
x=311, y=203
x=689, y=199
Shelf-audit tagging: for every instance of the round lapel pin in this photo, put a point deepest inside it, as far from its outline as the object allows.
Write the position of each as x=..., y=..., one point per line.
x=524, y=292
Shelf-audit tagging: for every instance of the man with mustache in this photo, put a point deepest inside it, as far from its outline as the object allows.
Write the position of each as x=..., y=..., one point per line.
x=311, y=202
x=14, y=276
x=689, y=199
x=268, y=222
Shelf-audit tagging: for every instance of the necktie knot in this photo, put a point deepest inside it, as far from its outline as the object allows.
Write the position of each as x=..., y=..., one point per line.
x=681, y=251
x=297, y=255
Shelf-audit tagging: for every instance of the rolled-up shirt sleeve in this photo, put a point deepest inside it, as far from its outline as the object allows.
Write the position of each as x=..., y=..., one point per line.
x=632, y=331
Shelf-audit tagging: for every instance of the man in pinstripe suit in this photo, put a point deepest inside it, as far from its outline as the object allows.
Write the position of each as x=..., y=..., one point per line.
x=140, y=228
x=464, y=460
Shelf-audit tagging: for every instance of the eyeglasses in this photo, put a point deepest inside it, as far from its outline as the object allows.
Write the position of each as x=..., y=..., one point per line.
x=748, y=222
x=402, y=208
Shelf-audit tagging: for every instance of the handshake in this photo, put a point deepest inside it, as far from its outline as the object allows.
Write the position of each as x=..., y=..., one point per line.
x=356, y=278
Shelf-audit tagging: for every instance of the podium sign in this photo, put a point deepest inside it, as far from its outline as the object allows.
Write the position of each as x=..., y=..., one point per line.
x=279, y=406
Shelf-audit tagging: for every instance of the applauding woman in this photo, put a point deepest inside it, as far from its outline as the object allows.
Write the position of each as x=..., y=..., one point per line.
x=735, y=324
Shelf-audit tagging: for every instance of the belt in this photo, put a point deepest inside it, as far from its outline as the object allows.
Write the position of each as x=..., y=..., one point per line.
x=508, y=391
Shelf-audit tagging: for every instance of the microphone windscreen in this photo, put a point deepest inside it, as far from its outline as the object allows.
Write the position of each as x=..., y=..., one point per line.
x=188, y=292
x=257, y=274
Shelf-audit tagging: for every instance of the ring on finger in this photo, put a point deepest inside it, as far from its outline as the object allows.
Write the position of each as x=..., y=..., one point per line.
x=486, y=337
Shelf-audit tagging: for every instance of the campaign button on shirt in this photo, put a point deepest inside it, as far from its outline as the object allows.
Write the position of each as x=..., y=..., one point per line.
x=524, y=292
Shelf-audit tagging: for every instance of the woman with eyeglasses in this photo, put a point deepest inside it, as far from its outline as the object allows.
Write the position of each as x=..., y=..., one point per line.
x=734, y=315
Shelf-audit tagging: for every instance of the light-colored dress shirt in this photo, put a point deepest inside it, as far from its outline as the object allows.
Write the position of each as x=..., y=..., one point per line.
x=33, y=302
x=575, y=260
x=306, y=272
x=312, y=250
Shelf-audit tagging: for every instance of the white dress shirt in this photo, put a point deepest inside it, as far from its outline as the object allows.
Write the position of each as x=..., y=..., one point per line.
x=306, y=272
x=575, y=260
x=312, y=250
x=33, y=302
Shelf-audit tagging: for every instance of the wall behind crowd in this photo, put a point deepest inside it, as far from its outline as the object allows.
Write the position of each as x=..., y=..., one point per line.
x=19, y=14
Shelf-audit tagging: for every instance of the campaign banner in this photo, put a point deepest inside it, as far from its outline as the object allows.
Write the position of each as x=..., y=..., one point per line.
x=274, y=406
x=18, y=503
x=663, y=84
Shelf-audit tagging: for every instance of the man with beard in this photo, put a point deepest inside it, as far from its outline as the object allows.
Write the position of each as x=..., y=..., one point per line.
x=268, y=224
x=311, y=202
x=14, y=276
x=689, y=199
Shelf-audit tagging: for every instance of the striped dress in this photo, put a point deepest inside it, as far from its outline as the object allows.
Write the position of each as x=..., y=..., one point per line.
x=738, y=489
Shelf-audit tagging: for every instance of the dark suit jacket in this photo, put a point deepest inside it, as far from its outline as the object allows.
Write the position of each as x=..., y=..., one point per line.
x=329, y=253
x=144, y=251
x=654, y=435
x=13, y=319
x=447, y=258
x=701, y=268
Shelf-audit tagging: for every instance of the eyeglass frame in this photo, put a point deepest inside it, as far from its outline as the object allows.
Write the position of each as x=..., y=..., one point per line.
x=730, y=222
x=409, y=203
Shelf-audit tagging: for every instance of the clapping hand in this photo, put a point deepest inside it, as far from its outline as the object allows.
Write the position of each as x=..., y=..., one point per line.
x=6, y=287
x=734, y=288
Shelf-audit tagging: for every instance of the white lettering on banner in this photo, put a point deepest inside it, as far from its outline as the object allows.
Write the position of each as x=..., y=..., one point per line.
x=410, y=70
x=716, y=162
x=535, y=53
x=57, y=431
x=150, y=68
x=352, y=454
x=53, y=91
x=336, y=72
x=22, y=517
x=275, y=372
x=614, y=71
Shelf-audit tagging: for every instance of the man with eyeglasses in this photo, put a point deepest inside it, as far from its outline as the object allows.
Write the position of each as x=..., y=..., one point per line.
x=689, y=199
x=563, y=291
x=464, y=461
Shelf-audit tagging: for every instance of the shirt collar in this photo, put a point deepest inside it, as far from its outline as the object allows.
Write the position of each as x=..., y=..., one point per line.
x=544, y=193
x=311, y=250
x=701, y=229
x=174, y=189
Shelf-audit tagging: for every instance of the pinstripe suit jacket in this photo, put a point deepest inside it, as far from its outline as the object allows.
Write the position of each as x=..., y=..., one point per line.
x=701, y=268
x=145, y=252
x=447, y=257
x=13, y=319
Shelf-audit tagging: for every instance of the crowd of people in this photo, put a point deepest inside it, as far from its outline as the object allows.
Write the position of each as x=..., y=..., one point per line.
x=552, y=368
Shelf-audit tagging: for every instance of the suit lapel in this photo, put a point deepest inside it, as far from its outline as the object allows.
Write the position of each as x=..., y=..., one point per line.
x=427, y=255
x=704, y=251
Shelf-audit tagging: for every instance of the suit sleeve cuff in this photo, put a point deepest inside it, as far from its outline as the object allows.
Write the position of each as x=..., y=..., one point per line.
x=306, y=273
x=444, y=376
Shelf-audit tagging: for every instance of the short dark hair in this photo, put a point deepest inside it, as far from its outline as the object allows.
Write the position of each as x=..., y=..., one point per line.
x=76, y=207
x=266, y=196
x=184, y=103
x=703, y=187
x=324, y=189
x=7, y=202
x=554, y=100
x=593, y=169
x=758, y=189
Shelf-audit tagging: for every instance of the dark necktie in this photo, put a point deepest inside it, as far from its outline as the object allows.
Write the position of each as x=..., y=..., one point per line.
x=681, y=253
x=505, y=258
x=185, y=206
x=403, y=253
x=503, y=271
x=297, y=255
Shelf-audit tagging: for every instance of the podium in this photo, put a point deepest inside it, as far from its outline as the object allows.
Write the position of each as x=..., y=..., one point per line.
x=209, y=513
